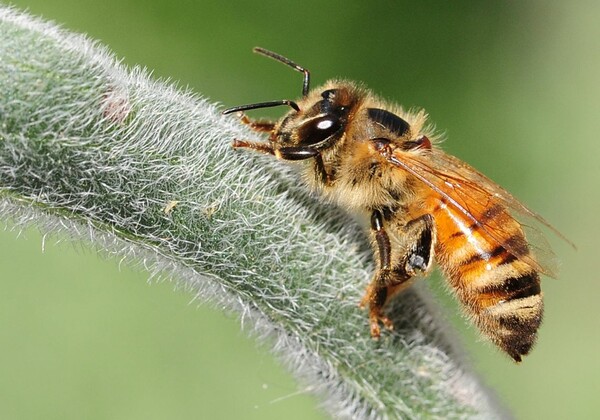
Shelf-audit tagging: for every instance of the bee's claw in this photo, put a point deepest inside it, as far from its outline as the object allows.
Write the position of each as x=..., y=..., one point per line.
x=375, y=330
x=375, y=320
x=387, y=323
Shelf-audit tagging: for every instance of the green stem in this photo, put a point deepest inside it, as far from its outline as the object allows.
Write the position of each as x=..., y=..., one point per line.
x=146, y=171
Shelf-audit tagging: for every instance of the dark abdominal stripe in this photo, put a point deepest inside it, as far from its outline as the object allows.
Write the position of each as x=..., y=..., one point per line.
x=514, y=288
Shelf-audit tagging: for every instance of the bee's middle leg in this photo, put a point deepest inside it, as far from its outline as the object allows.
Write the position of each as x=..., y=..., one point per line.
x=386, y=281
x=416, y=256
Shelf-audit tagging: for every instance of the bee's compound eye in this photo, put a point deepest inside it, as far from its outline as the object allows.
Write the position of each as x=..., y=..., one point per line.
x=324, y=124
x=317, y=130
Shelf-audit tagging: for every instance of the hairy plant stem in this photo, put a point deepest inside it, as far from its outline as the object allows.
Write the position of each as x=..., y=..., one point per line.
x=145, y=171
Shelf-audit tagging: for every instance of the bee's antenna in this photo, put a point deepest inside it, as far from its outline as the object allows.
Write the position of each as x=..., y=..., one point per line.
x=269, y=104
x=288, y=62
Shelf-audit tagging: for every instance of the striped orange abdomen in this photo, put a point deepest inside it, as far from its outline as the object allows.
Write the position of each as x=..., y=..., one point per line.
x=499, y=290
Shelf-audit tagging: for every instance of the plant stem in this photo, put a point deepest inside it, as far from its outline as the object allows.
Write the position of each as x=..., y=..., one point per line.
x=145, y=171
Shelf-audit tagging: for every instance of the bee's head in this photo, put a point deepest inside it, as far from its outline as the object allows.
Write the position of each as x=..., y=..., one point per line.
x=320, y=121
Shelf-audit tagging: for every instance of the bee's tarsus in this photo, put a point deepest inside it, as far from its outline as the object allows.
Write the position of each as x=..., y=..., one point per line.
x=260, y=126
x=259, y=147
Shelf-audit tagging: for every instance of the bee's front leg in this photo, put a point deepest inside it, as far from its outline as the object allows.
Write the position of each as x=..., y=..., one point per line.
x=261, y=126
x=258, y=146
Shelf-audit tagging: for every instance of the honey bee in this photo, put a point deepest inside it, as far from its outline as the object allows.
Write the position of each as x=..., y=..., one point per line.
x=374, y=158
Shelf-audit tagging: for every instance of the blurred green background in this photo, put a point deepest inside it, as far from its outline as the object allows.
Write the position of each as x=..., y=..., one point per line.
x=515, y=87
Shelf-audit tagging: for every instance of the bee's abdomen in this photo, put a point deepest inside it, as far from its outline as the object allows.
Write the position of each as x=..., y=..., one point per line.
x=500, y=291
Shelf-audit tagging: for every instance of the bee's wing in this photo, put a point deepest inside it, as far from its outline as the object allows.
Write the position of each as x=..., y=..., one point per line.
x=472, y=193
